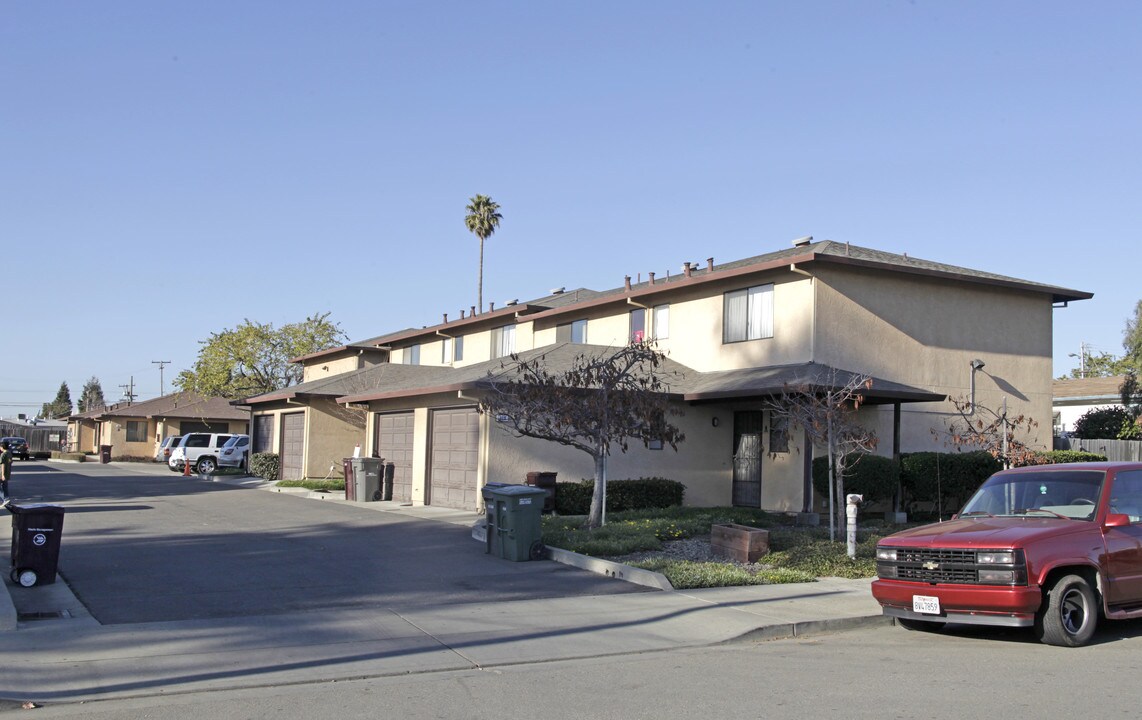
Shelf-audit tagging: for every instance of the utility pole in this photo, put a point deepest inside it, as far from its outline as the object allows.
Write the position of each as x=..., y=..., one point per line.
x=129, y=391
x=162, y=364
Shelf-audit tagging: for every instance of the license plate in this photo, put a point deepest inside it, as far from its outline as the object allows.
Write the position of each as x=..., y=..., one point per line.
x=926, y=604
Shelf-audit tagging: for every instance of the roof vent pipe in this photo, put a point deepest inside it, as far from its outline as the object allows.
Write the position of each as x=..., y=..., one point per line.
x=628, y=283
x=445, y=318
x=651, y=276
x=709, y=264
x=472, y=312
x=461, y=314
x=491, y=307
x=686, y=269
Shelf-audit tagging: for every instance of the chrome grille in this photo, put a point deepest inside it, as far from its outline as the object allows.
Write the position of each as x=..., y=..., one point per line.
x=940, y=565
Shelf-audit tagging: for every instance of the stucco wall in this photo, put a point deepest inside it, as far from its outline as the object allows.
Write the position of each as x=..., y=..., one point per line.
x=332, y=432
x=326, y=367
x=925, y=333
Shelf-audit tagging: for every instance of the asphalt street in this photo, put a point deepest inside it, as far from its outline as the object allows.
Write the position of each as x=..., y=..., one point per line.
x=160, y=547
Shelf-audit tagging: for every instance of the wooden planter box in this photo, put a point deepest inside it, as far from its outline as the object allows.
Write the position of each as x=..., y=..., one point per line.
x=739, y=542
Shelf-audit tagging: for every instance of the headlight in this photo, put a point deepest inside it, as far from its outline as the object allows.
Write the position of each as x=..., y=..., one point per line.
x=997, y=577
x=886, y=554
x=995, y=558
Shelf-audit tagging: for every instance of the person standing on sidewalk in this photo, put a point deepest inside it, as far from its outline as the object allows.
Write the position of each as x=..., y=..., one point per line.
x=5, y=472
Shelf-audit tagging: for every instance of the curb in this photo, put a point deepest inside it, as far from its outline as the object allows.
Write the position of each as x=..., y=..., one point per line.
x=808, y=627
x=638, y=576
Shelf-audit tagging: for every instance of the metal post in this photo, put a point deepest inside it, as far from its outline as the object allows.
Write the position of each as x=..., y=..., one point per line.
x=851, y=512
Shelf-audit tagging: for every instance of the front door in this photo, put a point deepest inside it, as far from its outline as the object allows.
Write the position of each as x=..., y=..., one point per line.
x=747, y=459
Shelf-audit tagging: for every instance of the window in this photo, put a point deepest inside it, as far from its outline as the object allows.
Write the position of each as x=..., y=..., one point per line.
x=573, y=332
x=458, y=347
x=661, y=322
x=779, y=435
x=637, y=325
x=503, y=341
x=411, y=355
x=446, y=351
x=654, y=445
x=136, y=431
x=748, y=314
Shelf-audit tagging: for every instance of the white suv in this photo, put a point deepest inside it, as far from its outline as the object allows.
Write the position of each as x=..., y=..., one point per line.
x=198, y=449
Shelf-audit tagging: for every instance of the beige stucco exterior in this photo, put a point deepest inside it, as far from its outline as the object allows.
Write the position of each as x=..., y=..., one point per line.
x=913, y=326
x=332, y=433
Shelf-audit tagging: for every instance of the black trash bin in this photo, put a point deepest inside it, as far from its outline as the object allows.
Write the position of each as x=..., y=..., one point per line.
x=36, y=531
x=545, y=480
x=104, y=454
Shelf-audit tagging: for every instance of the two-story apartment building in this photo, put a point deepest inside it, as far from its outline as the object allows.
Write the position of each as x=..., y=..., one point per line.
x=736, y=334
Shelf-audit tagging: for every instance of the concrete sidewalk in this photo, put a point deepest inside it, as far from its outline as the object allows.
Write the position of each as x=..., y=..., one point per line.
x=66, y=656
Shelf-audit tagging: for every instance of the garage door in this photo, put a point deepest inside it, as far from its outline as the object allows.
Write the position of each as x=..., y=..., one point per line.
x=455, y=455
x=394, y=444
x=293, y=446
x=263, y=433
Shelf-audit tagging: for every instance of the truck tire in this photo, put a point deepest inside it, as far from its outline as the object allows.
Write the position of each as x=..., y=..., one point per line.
x=1070, y=615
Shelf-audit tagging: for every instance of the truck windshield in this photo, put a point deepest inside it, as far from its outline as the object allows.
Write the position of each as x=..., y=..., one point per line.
x=1070, y=494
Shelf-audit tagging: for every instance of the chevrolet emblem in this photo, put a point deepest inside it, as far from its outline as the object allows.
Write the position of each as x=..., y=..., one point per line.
x=930, y=565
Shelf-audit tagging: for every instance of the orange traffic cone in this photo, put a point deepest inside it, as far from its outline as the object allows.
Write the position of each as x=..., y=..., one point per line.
x=185, y=469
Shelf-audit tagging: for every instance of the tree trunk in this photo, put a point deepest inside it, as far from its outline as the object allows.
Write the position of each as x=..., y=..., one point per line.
x=480, y=283
x=599, y=495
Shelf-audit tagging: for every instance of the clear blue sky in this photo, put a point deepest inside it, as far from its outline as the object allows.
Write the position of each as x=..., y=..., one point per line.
x=168, y=169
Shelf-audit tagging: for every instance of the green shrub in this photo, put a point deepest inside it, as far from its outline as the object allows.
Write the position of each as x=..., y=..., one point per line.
x=1071, y=456
x=1101, y=423
x=265, y=465
x=575, y=498
x=873, y=476
x=945, y=479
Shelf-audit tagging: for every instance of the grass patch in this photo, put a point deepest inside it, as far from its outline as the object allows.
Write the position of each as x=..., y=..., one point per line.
x=797, y=554
x=318, y=485
x=686, y=574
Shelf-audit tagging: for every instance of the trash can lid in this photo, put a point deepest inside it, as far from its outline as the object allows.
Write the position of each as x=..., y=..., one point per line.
x=36, y=507
x=516, y=490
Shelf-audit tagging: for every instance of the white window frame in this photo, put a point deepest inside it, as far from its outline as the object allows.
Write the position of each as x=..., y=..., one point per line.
x=661, y=314
x=503, y=341
x=747, y=314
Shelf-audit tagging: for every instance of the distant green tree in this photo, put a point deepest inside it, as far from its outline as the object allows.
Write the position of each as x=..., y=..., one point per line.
x=1131, y=394
x=1132, y=339
x=482, y=220
x=1102, y=364
x=1101, y=423
x=91, y=397
x=254, y=358
x=60, y=407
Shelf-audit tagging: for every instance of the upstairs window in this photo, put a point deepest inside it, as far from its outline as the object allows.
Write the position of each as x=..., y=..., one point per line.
x=458, y=349
x=573, y=332
x=637, y=325
x=748, y=314
x=661, y=322
x=446, y=351
x=503, y=341
x=411, y=355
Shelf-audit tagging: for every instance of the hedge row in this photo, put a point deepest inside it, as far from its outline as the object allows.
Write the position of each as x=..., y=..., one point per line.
x=944, y=479
x=574, y=498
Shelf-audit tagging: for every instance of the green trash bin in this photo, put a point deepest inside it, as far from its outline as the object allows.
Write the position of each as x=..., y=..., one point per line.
x=515, y=531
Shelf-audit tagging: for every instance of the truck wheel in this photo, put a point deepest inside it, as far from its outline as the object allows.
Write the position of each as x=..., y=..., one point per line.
x=919, y=625
x=1070, y=616
x=206, y=465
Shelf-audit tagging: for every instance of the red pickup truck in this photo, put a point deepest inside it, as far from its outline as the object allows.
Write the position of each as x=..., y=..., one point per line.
x=1051, y=547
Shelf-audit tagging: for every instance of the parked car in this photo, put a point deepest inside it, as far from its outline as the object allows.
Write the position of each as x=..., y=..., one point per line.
x=163, y=453
x=235, y=452
x=18, y=446
x=1050, y=547
x=200, y=450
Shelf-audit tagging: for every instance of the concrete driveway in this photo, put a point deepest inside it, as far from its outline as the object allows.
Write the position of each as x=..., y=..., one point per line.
x=145, y=545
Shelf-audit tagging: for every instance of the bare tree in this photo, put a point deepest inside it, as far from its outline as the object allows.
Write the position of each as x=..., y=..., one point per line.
x=601, y=401
x=998, y=432
x=826, y=409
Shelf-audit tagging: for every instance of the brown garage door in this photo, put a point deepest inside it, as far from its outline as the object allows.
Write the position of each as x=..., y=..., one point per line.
x=293, y=446
x=455, y=455
x=394, y=444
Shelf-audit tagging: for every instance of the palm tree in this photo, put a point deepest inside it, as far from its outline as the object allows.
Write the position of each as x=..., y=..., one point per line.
x=482, y=220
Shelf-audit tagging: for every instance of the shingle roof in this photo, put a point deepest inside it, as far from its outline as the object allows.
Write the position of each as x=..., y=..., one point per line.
x=174, y=405
x=1097, y=387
